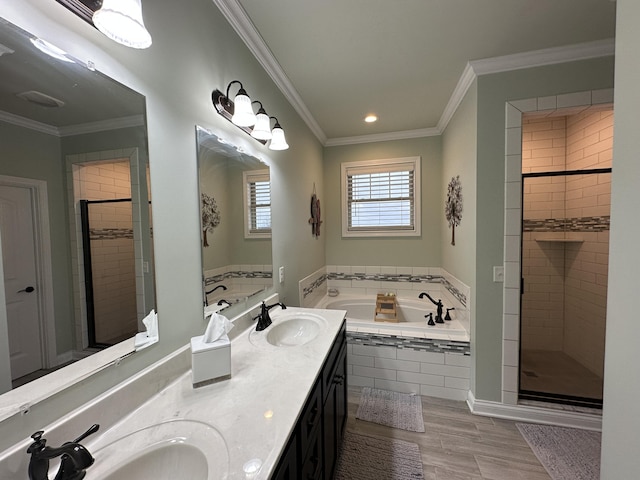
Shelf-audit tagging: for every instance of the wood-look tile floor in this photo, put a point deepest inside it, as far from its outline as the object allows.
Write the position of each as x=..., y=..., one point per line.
x=458, y=445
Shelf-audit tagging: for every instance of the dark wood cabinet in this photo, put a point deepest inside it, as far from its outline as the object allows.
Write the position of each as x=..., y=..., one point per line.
x=312, y=449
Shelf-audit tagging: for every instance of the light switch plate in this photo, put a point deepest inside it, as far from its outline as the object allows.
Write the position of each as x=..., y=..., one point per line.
x=498, y=274
x=281, y=274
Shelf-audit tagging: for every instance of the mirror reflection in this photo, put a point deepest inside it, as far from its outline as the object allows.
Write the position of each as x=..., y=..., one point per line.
x=75, y=222
x=235, y=194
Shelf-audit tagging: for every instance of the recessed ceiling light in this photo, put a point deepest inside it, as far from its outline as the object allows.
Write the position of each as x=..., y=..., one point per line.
x=370, y=118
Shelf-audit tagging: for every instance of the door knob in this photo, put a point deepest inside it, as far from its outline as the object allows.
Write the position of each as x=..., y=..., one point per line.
x=29, y=289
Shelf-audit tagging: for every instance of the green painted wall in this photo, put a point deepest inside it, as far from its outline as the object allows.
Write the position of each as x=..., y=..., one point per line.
x=620, y=422
x=406, y=251
x=459, y=157
x=493, y=91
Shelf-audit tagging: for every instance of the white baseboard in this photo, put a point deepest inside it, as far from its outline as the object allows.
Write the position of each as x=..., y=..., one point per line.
x=526, y=413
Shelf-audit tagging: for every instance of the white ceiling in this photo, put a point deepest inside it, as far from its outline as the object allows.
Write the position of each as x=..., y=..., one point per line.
x=338, y=60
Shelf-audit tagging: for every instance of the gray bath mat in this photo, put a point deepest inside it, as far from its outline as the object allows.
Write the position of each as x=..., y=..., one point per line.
x=364, y=458
x=566, y=453
x=393, y=409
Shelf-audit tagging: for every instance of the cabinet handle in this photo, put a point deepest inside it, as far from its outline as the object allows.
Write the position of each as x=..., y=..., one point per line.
x=314, y=414
x=314, y=461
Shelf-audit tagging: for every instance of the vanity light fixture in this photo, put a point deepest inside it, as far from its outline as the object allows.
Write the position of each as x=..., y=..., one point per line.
x=262, y=128
x=278, y=141
x=239, y=111
x=121, y=21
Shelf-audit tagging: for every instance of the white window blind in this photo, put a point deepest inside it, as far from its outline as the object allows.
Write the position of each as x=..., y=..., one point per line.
x=257, y=203
x=381, y=197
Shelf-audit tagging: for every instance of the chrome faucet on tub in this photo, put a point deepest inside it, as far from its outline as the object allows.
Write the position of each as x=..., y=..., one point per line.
x=73, y=462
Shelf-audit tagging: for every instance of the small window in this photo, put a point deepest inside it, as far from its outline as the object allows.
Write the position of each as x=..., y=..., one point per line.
x=381, y=198
x=257, y=207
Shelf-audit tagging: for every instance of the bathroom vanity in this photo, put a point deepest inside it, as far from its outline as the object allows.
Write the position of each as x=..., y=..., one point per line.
x=312, y=449
x=280, y=415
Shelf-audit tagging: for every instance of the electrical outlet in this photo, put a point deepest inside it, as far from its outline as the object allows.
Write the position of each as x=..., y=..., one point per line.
x=498, y=274
x=281, y=274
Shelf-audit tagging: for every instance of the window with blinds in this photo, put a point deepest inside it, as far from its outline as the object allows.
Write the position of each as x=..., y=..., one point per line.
x=257, y=209
x=381, y=197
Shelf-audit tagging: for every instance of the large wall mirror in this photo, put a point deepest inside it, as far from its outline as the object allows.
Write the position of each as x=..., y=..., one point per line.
x=75, y=209
x=235, y=194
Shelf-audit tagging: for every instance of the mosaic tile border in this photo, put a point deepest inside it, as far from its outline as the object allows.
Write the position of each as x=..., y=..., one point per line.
x=411, y=343
x=236, y=274
x=110, y=233
x=402, y=278
x=576, y=224
x=314, y=285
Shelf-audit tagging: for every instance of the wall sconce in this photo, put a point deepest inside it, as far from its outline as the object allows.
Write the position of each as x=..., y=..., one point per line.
x=262, y=128
x=121, y=21
x=240, y=113
x=278, y=141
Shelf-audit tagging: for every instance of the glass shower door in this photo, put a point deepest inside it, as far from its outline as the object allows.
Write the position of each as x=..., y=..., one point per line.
x=565, y=245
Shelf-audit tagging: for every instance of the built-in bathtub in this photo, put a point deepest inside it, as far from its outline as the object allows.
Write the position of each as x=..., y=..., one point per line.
x=408, y=356
x=411, y=318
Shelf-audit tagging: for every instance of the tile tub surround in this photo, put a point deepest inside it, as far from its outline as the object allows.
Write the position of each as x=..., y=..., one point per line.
x=411, y=324
x=423, y=367
x=405, y=282
x=238, y=408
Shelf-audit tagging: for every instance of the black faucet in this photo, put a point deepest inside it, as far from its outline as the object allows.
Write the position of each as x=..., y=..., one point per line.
x=264, y=320
x=73, y=462
x=438, y=305
x=447, y=316
x=206, y=300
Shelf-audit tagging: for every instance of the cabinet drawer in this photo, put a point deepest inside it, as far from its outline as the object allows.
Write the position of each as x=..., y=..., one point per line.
x=312, y=464
x=330, y=365
x=310, y=419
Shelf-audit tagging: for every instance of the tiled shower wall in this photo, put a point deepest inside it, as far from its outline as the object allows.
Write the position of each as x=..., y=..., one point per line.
x=112, y=248
x=565, y=234
x=108, y=188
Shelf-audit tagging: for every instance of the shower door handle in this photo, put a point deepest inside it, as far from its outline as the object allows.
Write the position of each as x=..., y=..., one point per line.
x=28, y=289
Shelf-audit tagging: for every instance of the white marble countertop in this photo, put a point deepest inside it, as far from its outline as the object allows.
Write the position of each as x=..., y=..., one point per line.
x=254, y=411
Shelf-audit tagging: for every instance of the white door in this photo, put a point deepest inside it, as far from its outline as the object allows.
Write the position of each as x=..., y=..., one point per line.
x=19, y=264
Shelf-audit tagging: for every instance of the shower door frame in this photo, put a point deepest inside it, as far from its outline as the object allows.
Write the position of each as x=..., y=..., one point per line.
x=539, y=395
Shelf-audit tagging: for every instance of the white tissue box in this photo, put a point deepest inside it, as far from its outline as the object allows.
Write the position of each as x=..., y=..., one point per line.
x=210, y=361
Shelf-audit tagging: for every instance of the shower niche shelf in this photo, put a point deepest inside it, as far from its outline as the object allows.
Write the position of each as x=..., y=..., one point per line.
x=558, y=240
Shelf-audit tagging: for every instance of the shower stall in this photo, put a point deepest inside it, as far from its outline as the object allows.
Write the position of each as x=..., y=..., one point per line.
x=566, y=178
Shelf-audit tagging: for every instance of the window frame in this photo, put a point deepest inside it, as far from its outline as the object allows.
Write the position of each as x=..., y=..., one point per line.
x=248, y=177
x=380, y=165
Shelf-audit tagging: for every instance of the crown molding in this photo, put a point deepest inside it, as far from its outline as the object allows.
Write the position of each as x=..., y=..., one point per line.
x=464, y=83
x=28, y=123
x=241, y=23
x=382, y=137
x=102, y=125
x=547, y=56
x=91, y=127
x=244, y=27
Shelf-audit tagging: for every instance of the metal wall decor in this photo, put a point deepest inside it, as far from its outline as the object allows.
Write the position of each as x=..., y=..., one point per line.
x=453, y=206
x=210, y=216
x=315, y=214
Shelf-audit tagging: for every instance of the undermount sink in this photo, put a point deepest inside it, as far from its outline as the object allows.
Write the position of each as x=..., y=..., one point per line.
x=169, y=450
x=290, y=329
x=295, y=329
